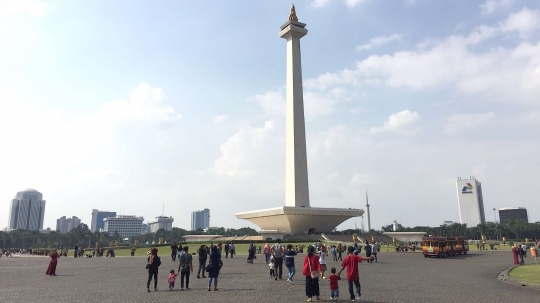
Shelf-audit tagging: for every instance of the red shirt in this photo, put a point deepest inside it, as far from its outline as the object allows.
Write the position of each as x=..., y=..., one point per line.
x=315, y=265
x=351, y=263
x=333, y=281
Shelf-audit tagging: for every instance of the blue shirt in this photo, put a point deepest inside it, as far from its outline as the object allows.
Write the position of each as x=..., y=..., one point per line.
x=289, y=258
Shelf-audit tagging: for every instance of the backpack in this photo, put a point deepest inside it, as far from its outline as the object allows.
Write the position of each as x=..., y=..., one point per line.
x=184, y=259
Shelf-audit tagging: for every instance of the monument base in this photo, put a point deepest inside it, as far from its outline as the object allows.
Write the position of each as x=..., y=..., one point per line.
x=406, y=236
x=300, y=220
x=272, y=234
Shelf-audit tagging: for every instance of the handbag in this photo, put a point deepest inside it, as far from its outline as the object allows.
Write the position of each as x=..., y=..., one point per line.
x=207, y=268
x=314, y=273
x=147, y=266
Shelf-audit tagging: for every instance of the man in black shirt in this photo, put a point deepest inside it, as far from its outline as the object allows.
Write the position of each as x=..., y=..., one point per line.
x=174, y=251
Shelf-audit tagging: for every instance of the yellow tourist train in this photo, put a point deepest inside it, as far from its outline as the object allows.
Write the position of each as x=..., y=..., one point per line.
x=444, y=246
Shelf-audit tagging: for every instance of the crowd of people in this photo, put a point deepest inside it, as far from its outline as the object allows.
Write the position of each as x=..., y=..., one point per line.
x=520, y=252
x=314, y=266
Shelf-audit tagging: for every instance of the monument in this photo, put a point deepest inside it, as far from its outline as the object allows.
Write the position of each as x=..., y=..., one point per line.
x=368, y=213
x=297, y=216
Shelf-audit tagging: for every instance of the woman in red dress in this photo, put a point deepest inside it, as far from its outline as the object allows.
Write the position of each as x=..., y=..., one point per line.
x=51, y=271
x=515, y=252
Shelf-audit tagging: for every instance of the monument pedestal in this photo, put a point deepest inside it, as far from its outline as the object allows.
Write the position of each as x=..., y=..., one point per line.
x=299, y=220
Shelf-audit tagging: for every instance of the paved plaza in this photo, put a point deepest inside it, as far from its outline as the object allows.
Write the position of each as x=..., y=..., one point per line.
x=398, y=277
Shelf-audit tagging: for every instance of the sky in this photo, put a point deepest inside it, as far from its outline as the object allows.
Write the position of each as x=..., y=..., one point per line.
x=145, y=107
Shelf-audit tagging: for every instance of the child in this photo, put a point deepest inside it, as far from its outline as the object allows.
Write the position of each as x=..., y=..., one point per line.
x=351, y=263
x=172, y=278
x=272, y=266
x=334, y=287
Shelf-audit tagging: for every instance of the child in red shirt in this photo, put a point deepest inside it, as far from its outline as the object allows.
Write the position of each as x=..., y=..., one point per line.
x=334, y=287
x=351, y=263
x=172, y=279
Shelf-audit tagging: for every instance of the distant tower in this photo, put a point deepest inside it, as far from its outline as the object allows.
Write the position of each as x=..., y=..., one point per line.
x=368, y=214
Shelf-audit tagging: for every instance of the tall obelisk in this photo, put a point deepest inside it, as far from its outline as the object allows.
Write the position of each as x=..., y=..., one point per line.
x=368, y=214
x=296, y=175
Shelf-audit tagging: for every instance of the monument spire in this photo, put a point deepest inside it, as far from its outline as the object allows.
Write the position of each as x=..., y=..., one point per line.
x=367, y=213
x=292, y=15
x=296, y=175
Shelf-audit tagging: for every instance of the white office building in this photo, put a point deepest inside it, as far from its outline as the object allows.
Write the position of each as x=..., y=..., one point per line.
x=27, y=210
x=470, y=202
x=159, y=223
x=126, y=226
x=200, y=219
x=64, y=225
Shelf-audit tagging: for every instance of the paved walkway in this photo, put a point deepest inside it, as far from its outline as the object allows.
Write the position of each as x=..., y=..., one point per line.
x=398, y=277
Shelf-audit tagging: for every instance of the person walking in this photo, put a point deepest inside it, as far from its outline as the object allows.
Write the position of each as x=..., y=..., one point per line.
x=153, y=263
x=226, y=250
x=368, y=251
x=232, y=249
x=289, y=262
x=185, y=267
x=214, y=266
x=76, y=250
x=203, y=255
x=174, y=251
x=51, y=271
x=322, y=259
x=277, y=252
x=374, y=251
x=521, y=254
x=515, y=252
x=251, y=253
x=311, y=271
x=351, y=264
x=334, y=252
x=267, y=253
x=339, y=252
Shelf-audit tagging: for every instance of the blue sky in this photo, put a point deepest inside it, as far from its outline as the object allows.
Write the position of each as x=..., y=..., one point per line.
x=182, y=103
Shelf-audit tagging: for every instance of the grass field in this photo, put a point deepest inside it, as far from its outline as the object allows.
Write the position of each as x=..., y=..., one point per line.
x=529, y=273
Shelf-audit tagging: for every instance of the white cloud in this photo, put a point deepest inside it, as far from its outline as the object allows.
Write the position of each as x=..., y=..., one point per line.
x=319, y=3
x=273, y=102
x=238, y=153
x=466, y=122
x=525, y=22
x=145, y=103
x=490, y=6
x=353, y=3
x=62, y=149
x=403, y=122
x=499, y=74
x=29, y=7
x=378, y=41
x=220, y=118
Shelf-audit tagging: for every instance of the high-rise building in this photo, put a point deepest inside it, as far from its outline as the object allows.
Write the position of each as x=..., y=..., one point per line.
x=97, y=219
x=27, y=210
x=513, y=213
x=470, y=202
x=200, y=219
x=159, y=223
x=126, y=226
x=64, y=225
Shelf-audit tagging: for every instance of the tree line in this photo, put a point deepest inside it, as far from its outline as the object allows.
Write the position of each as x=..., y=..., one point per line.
x=514, y=230
x=82, y=236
